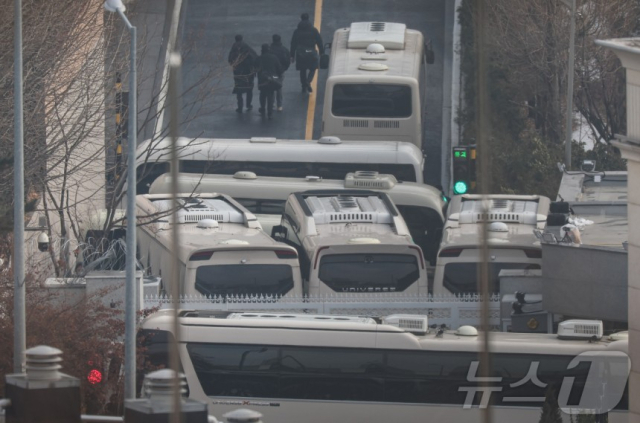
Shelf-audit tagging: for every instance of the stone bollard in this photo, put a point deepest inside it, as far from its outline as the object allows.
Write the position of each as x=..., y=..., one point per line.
x=42, y=394
x=158, y=404
x=243, y=415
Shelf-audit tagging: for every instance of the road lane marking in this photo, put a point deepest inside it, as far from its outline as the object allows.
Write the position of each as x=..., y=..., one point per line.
x=311, y=109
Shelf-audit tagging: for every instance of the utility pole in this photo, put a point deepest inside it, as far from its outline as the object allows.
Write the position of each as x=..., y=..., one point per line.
x=19, y=320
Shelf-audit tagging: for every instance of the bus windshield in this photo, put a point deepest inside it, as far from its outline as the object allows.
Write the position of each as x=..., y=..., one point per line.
x=369, y=272
x=462, y=278
x=371, y=101
x=244, y=279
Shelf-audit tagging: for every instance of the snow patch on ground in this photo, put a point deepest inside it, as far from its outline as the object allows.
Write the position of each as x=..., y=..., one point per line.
x=582, y=132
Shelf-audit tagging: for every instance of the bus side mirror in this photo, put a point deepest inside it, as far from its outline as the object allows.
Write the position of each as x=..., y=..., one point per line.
x=279, y=233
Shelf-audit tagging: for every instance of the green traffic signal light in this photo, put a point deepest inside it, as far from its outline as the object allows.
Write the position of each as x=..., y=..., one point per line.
x=460, y=187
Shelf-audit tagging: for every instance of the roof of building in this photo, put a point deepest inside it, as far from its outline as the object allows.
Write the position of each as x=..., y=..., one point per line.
x=601, y=200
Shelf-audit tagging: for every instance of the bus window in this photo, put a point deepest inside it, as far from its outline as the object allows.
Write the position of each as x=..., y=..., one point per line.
x=262, y=206
x=244, y=279
x=462, y=278
x=147, y=173
x=402, y=172
x=235, y=370
x=425, y=226
x=371, y=100
x=369, y=272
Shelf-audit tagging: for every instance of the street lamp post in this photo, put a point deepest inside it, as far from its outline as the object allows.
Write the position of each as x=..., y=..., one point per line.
x=130, y=287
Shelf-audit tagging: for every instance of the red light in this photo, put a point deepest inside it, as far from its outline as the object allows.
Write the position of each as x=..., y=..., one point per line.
x=420, y=254
x=286, y=254
x=315, y=263
x=201, y=256
x=451, y=252
x=94, y=376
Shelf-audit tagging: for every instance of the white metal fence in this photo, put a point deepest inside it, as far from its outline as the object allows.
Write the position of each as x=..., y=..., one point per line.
x=452, y=311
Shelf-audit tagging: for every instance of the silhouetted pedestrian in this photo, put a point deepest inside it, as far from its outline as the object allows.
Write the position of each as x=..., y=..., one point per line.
x=282, y=53
x=303, y=51
x=269, y=77
x=242, y=58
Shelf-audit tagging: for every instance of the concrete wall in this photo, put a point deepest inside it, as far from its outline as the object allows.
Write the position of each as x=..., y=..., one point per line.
x=628, y=50
x=597, y=291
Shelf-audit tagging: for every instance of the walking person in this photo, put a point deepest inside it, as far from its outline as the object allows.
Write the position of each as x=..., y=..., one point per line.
x=282, y=53
x=269, y=77
x=243, y=60
x=303, y=51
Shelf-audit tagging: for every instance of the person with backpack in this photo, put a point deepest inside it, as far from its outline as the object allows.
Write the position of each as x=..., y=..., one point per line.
x=269, y=79
x=303, y=51
x=242, y=59
x=282, y=53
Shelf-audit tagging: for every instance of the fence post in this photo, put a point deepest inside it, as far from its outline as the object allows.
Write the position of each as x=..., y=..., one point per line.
x=157, y=407
x=42, y=394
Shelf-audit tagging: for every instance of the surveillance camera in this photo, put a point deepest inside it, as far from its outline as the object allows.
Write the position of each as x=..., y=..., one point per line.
x=43, y=242
x=588, y=165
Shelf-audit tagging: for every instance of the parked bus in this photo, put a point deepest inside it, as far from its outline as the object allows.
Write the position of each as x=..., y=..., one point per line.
x=376, y=86
x=329, y=158
x=512, y=243
x=352, y=241
x=422, y=207
x=315, y=369
x=223, y=249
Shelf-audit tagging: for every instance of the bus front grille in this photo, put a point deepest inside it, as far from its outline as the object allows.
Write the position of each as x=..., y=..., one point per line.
x=352, y=123
x=388, y=124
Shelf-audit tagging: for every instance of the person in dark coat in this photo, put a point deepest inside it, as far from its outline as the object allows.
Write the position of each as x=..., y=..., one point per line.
x=282, y=53
x=268, y=68
x=242, y=58
x=303, y=51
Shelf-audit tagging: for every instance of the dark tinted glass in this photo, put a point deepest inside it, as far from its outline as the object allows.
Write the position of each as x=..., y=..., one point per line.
x=147, y=173
x=425, y=226
x=462, y=278
x=260, y=206
x=331, y=374
x=235, y=370
x=427, y=377
x=371, y=100
x=402, y=172
x=244, y=279
x=359, y=374
x=369, y=272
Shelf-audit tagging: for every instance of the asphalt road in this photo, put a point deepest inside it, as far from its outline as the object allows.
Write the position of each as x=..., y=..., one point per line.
x=207, y=31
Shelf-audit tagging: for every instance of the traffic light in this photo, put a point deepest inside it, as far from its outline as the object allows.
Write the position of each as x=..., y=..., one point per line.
x=461, y=170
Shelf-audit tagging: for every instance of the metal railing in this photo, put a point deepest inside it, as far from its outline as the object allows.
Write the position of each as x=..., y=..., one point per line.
x=451, y=311
x=101, y=419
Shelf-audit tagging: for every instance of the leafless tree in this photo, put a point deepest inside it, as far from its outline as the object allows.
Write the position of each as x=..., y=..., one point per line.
x=72, y=53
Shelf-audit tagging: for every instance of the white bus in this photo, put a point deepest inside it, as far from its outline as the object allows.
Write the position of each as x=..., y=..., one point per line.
x=376, y=85
x=223, y=249
x=422, y=206
x=328, y=158
x=512, y=243
x=318, y=369
x=352, y=241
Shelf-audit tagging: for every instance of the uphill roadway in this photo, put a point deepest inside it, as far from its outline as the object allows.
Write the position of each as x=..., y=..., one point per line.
x=207, y=31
